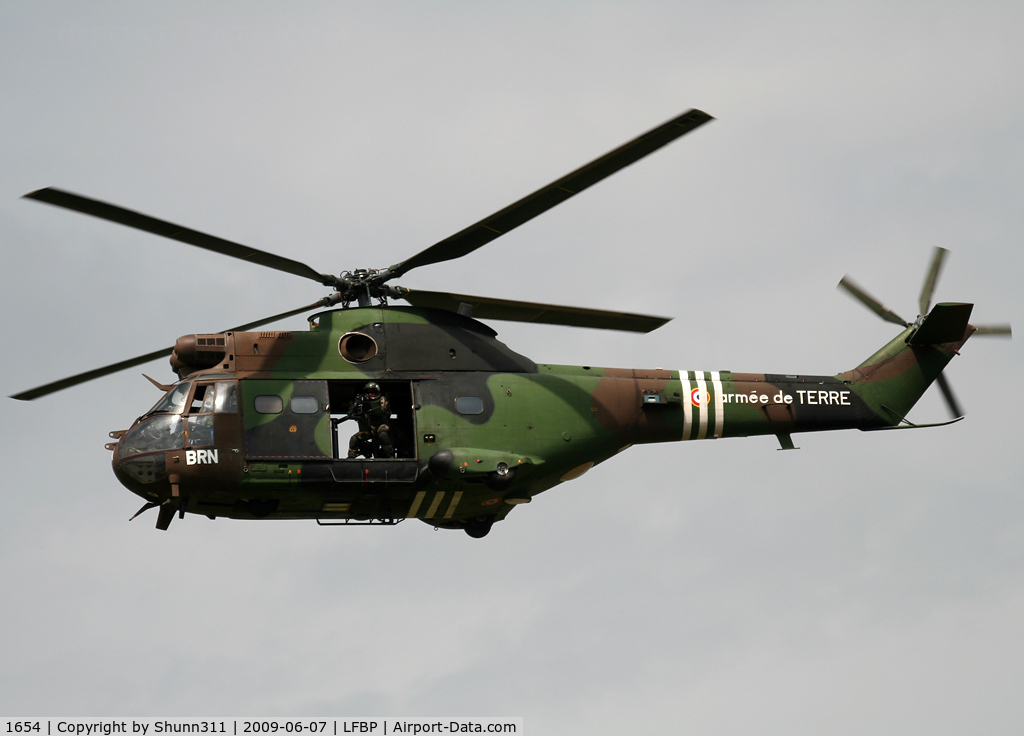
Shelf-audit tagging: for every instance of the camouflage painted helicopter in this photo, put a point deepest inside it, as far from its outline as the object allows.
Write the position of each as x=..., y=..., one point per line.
x=257, y=426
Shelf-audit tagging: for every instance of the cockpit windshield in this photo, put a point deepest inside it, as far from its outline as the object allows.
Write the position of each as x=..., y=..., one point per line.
x=155, y=434
x=173, y=402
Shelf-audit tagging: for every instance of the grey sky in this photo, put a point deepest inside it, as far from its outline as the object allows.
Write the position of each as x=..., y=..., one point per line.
x=871, y=582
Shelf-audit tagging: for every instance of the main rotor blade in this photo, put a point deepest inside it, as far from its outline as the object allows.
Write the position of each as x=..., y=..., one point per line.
x=947, y=392
x=489, y=228
x=64, y=383
x=90, y=375
x=290, y=313
x=552, y=314
x=139, y=221
x=993, y=330
x=873, y=304
x=931, y=278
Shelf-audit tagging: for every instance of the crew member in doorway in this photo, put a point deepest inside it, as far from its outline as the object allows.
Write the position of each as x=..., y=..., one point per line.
x=373, y=412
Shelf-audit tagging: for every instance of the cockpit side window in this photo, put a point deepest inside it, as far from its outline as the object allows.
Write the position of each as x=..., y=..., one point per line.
x=173, y=401
x=211, y=391
x=200, y=430
x=209, y=398
x=227, y=398
x=198, y=396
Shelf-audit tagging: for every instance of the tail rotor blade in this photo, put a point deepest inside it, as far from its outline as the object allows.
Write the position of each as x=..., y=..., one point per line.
x=997, y=330
x=947, y=392
x=931, y=278
x=871, y=303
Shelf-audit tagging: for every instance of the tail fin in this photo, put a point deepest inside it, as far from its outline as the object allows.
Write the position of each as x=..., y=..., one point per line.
x=893, y=379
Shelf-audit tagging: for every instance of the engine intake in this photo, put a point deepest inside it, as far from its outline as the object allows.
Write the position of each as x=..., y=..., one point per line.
x=195, y=352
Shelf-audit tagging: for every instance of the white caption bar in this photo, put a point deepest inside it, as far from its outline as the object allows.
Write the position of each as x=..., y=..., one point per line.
x=382, y=726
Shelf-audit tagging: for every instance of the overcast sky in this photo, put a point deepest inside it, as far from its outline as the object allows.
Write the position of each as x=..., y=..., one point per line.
x=869, y=583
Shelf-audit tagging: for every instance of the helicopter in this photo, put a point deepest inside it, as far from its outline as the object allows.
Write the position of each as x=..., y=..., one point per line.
x=288, y=425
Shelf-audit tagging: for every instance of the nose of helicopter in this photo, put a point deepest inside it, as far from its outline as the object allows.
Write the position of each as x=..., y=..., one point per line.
x=140, y=456
x=140, y=473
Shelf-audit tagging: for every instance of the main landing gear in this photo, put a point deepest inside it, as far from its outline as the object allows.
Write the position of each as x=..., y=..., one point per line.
x=479, y=526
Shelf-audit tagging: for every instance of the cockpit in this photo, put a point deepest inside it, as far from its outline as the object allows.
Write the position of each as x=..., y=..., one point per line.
x=183, y=417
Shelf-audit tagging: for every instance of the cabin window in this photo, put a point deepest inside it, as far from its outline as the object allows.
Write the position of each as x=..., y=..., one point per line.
x=469, y=405
x=268, y=404
x=305, y=405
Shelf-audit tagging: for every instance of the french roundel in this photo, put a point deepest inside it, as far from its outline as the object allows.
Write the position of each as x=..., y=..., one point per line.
x=699, y=397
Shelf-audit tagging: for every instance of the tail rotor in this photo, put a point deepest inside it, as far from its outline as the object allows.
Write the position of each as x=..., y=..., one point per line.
x=925, y=304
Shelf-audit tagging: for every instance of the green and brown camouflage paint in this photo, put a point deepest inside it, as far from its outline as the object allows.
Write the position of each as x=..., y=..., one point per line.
x=546, y=423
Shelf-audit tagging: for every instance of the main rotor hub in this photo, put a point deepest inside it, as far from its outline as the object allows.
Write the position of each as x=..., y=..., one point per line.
x=364, y=284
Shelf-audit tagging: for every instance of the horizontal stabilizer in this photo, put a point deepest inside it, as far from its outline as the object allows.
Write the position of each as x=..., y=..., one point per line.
x=947, y=322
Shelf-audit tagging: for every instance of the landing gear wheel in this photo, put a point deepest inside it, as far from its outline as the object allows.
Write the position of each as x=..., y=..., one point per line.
x=478, y=528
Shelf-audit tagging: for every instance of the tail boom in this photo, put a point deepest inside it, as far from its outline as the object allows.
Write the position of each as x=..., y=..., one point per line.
x=692, y=405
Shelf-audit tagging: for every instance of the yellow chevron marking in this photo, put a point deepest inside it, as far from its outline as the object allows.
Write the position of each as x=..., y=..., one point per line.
x=455, y=502
x=434, y=504
x=417, y=502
